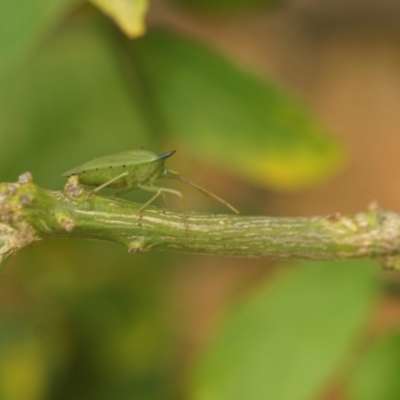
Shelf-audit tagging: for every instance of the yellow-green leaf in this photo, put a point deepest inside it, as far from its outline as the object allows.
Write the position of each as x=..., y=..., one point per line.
x=128, y=14
x=230, y=117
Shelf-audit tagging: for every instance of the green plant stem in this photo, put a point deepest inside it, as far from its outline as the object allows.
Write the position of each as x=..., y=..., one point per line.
x=30, y=213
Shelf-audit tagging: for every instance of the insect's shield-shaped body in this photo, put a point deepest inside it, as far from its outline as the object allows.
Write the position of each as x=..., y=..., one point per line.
x=135, y=169
x=130, y=169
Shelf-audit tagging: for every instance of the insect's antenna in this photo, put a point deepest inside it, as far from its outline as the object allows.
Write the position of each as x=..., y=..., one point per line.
x=207, y=193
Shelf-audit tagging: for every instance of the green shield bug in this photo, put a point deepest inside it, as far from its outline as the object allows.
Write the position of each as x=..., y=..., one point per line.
x=135, y=169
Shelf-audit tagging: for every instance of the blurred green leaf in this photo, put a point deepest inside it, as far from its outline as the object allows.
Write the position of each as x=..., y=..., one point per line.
x=96, y=318
x=378, y=375
x=68, y=105
x=231, y=118
x=284, y=343
x=81, y=97
x=128, y=14
x=23, y=25
x=24, y=359
x=226, y=5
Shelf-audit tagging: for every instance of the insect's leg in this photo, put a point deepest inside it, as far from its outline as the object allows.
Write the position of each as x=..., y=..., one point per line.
x=149, y=189
x=161, y=191
x=164, y=197
x=141, y=209
x=110, y=181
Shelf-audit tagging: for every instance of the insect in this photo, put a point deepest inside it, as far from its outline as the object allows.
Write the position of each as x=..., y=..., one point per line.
x=135, y=169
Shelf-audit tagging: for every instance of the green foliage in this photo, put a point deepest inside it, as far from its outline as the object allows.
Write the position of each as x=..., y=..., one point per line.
x=286, y=341
x=70, y=105
x=22, y=28
x=378, y=375
x=25, y=356
x=89, y=324
x=87, y=321
x=231, y=117
x=83, y=97
x=227, y=6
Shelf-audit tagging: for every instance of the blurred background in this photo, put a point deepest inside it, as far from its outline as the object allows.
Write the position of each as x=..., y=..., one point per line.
x=284, y=108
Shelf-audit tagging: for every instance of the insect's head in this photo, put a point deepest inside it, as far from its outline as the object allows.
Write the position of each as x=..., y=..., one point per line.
x=167, y=172
x=165, y=155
